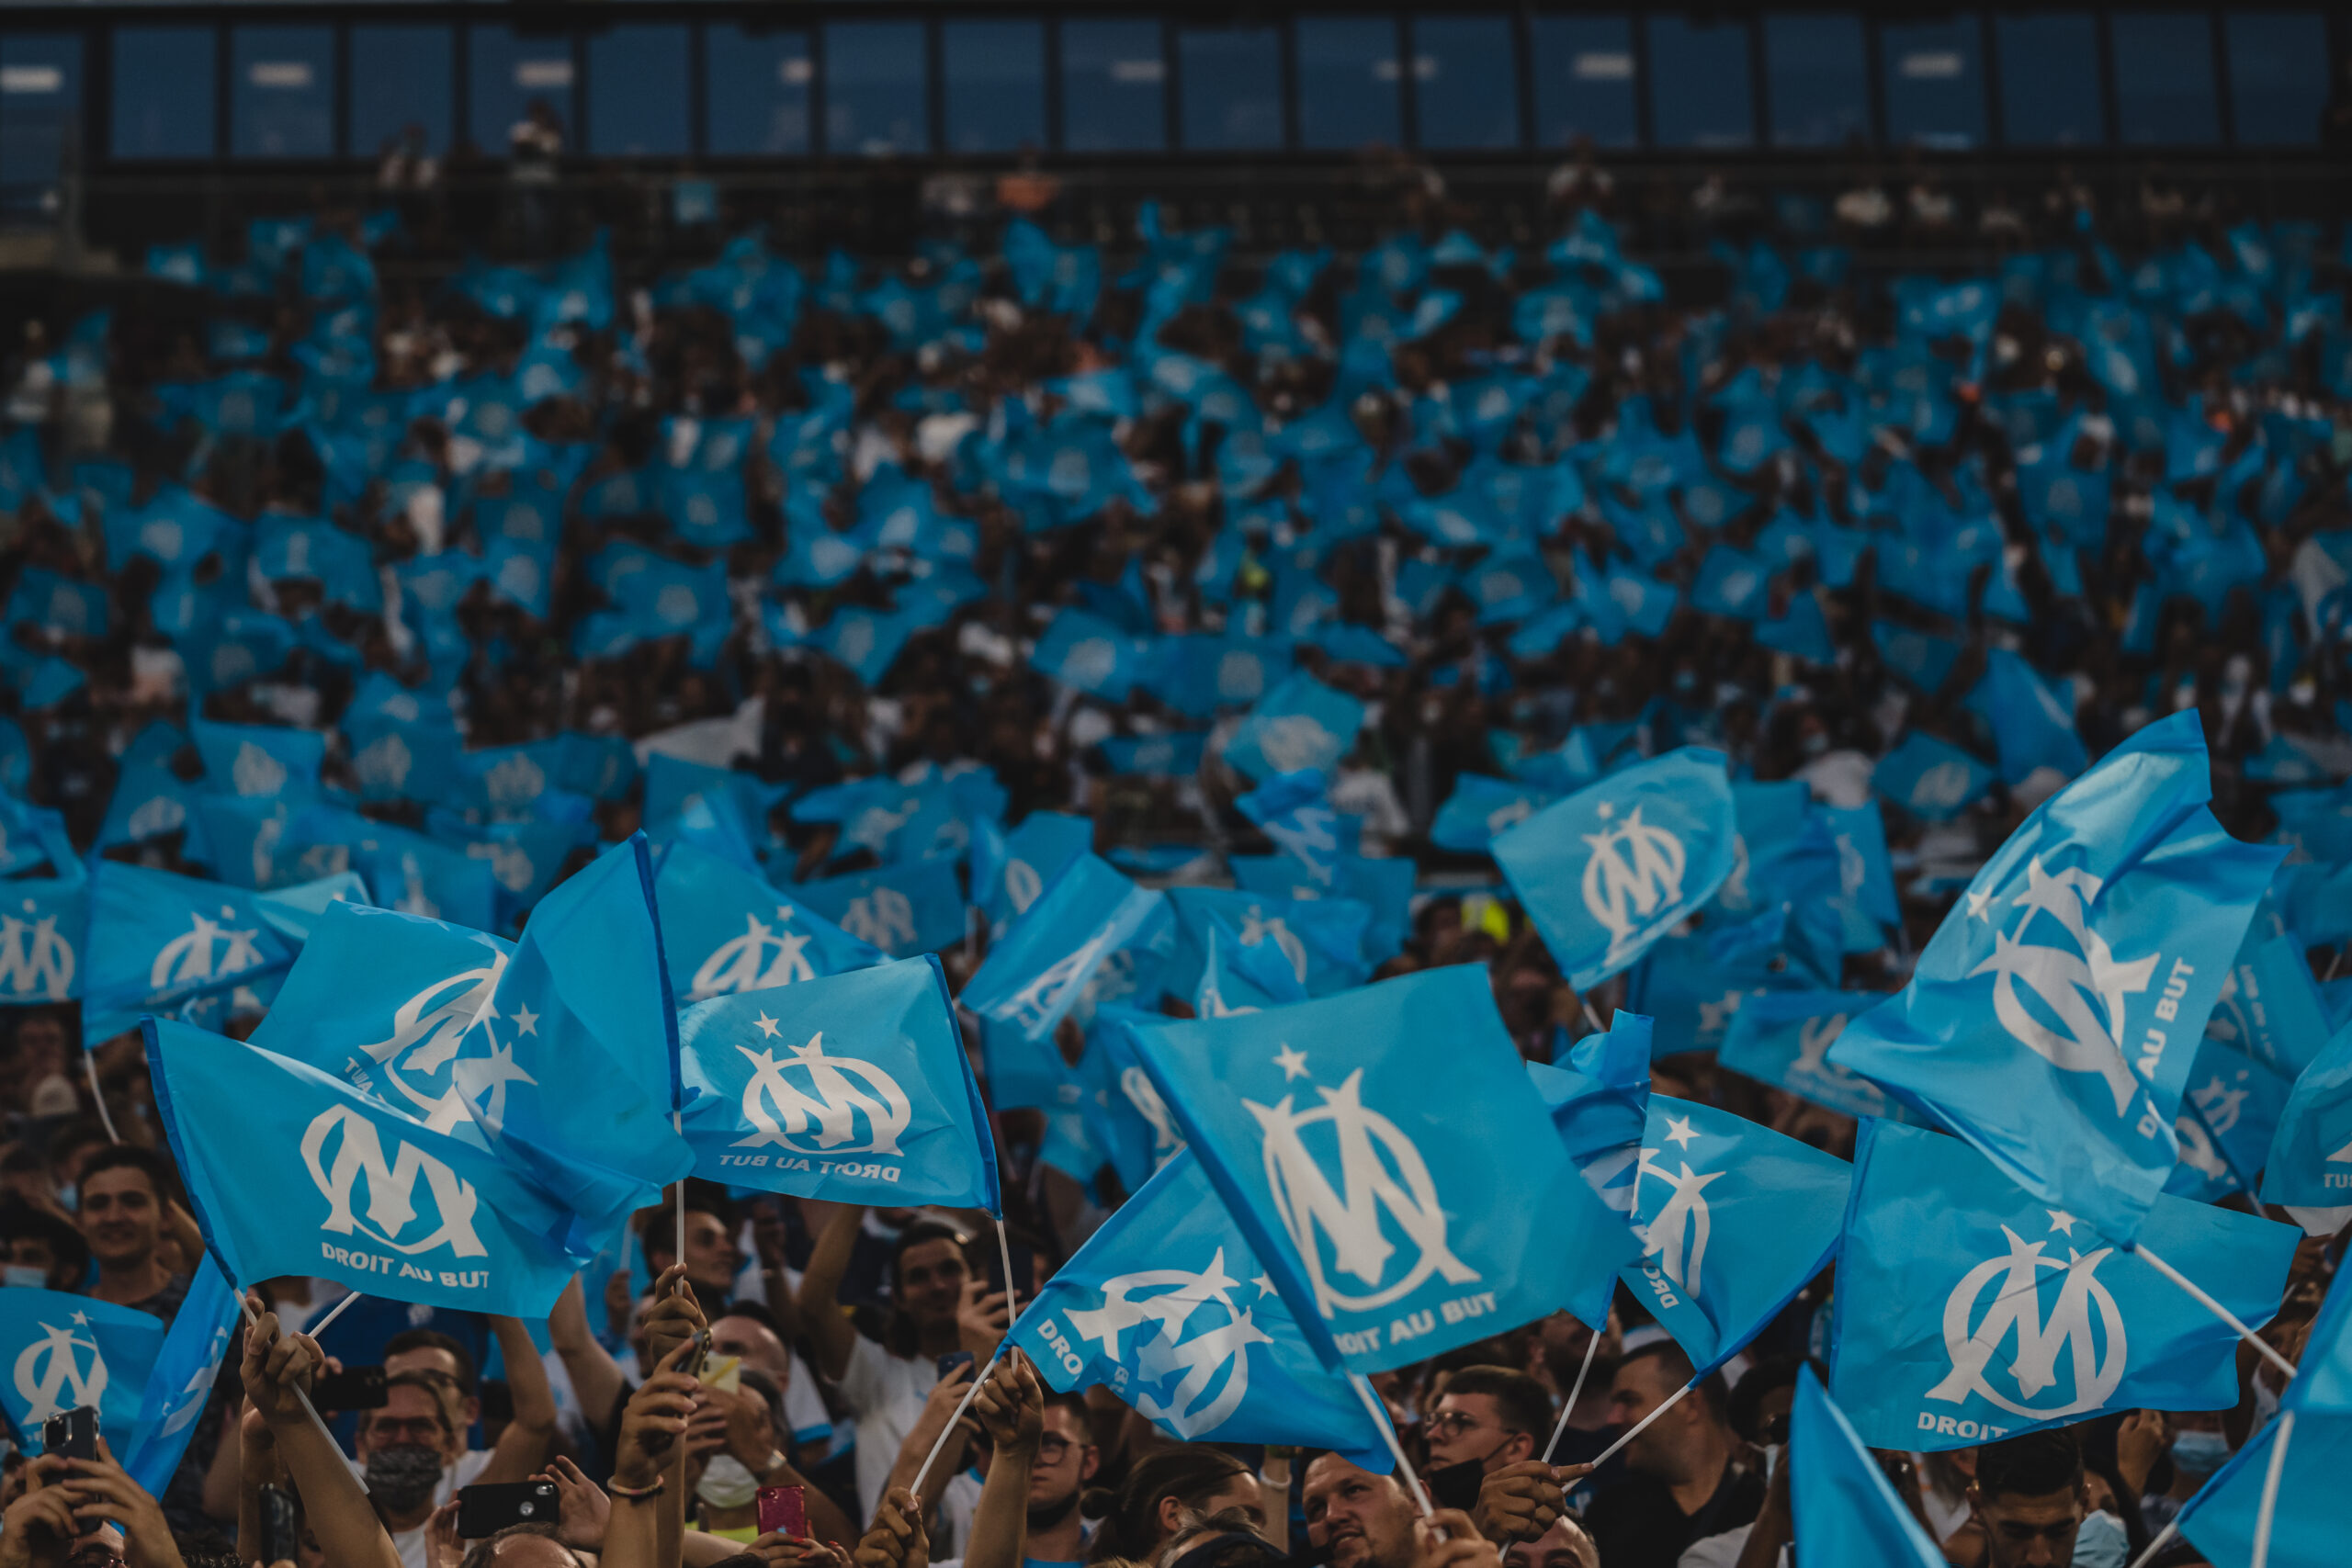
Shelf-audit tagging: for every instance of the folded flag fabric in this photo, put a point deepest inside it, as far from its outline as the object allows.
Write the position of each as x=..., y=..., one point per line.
x=2309, y=1165
x=2053, y=1019
x=1618, y=864
x=1842, y=1507
x=1600, y=1105
x=1374, y=1204
x=1168, y=1307
x=852, y=1088
x=1033, y=975
x=1968, y=1310
x=725, y=930
x=181, y=1380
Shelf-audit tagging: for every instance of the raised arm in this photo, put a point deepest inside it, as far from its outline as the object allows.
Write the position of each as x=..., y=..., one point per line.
x=1012, y=1409
x=639, y=1533
x=277, y=1372
x=937, y=1407
x=522, y=1448
x=596, y=1378
x=831, y=1334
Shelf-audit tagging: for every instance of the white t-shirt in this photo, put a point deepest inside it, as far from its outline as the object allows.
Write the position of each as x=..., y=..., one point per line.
x=409, y=1544
x=886, y=1395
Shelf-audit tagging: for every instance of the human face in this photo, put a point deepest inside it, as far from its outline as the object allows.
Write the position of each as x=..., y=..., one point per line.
x=101, y=1548
x=1467, y=1427
x=121, y=1217
x=1639, y=1388
x=432, y=1361
x=2030, y=1532
x=1358, y=1519
x=931, y=1281
x=752, y=1341
x=409, y=1415
x=1066, y=1459
x=711, y=1259
x=1562, y=1546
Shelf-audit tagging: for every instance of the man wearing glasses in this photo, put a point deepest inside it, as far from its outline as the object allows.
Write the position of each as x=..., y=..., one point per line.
x=1496, y=1419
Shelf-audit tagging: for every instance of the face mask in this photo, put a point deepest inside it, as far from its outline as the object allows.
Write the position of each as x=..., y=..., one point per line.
x=26, y=1276
x=727, y=1483
x=2200, y=1454
x=402, y=1477
x=2100, y=1543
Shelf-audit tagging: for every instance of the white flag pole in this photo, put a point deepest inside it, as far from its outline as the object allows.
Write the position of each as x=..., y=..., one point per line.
x=2172, y=1528
x=961, y=1405
x=2217, y=1309
x=1635, y=1429
x=2270, y=1490
x=253, y=1323
x=98, y=1096
x=334, y=1312
x=1561, y=1428
x=1379, y=1413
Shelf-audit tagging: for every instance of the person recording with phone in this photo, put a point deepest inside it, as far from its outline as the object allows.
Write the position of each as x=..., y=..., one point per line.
x=736, y=1447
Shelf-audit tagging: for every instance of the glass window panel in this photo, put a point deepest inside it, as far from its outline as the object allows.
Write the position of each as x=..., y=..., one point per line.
x=41, y=110
x=1115, y=87
x=1933, y=74
x=996, y=85
x=2163, y=79
x=1231, y=88
x=2278, y=76
x=401, y=82
x=1816, y=74
x=510, y=71
x=877, y=97
x=757, y=87
x=1465, y=82
x=163, y=92
x=1584, y=80
x=1347, y=81
x=637, y=91
x=2050, y=94
x=281, y=94
x=1700, y=93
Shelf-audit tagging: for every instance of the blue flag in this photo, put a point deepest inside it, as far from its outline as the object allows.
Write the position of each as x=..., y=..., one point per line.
x=1323, y=937
x=1968, y=1310
x=2270, y=1008
x=1008, y=870
x=1300, y=723
x=260, y=760
x=1294, y=810
x=2309, y=1161
x=1618, y=864
x=181, y=1380
x=903, y=910
x=1039, y=969
x=725, y=930
x=1842, y=1507
x=1930, y=779
x=1600, y=1105
x=67, y=1351
x=1782, y=1202
x=1420, y=1199
x=1239, y=977
x=2225, y=1123
x=2053, y=1019
x=159, y=941
x=291, y=1171
x=1783, y=1038
x=853, y=1089
x=1168, y=1307
x=1481, y=808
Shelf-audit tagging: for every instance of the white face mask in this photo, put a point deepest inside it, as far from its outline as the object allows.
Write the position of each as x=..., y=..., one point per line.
x=25, y=1276
x=727, y=1483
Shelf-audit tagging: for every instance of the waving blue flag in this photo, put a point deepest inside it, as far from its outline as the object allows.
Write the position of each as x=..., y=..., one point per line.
x=2310, y=1160
x=1419, y=1200
x=1323, y=937
x=259, y=760
x=853, y=1089
x=181, y=1380
x=902, y=910
x=2225, y=1124
x=1036, y=972
x=1240, y=977
x=1930, y=778
x=1481, y=808
x=1168, y=1307
x=1783, y=1038
x=2053, y=1020
x=159, y=941
x=69, y=1351
x=1090, y=653
x=1294, y=810
x=1781, y=1202
x=1844, y=1510
x=2270, y=1008
x=1618, y=864
x=2308, y=1448
x=1600, y=1105
x=1968, y=1310
x=291, y=1171
x=1008, y=870
x=725, y=930
x=1300, y=723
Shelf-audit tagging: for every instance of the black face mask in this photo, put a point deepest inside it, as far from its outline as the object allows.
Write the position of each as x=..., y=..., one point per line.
x=402, y=1477
x=1048, y=1516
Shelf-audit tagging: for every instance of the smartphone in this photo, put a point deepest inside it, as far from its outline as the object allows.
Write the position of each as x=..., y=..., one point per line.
x=485, y=1511
x=699, y=1357
x=1025, y=1270
x=73, y=1433
x=280, y=1535
x=353, y=1388
x=784, y=1508
x=1455, y=1485
x=950, y=1362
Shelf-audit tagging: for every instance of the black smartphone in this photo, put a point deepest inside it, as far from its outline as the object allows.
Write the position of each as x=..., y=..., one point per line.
x=73, y=1433
x=1025, y=1270
x=485, y=1511
x=950, y=1362
x=353, y=1388
x=1455, y=1485
x=280, y=1534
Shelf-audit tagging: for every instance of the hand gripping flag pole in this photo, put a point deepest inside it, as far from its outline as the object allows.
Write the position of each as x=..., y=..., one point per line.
x=1560, y=1427
x=1004, y=1251
x=2218, y=1310
x=253, y=1323
x=1379, y=1414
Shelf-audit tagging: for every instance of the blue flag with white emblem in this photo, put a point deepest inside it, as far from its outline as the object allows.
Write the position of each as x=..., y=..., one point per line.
x=853, y=1089
x=1968, y=1310
x=1600, y=1105
x=1300, y=723
x=1932, y=779
x=1843, y=1507
x=161, y=939
x=2225, y=1123
x=1323, y=937
x=1168, y=1307
x=2270, y=1008
x=2053, y=1019
x=1715, y=1287
x=902, y=910
x=2309, y=1161
x=291, y=1171
x=1618, y=864
x=725, y=930
x=1239, y=978
x=1391, y=1164
x=1294, y=810
x=1783, y=1038
x=181, y=1380
x=1008, y=870
x=1035, y=974
x=67, y=1351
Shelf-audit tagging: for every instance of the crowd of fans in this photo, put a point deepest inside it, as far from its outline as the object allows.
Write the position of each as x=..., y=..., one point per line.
x=2128, y=473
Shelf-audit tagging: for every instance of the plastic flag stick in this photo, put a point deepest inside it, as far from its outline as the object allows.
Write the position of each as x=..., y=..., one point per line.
x=1635, y=1429
x=97, y=1097
x=334, y=1312
x=2218, y=1310
x=1396, y=1449
x=1560, y=1429
x=2270, y=1490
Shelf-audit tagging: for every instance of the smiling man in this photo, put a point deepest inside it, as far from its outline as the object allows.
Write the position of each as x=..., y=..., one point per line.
x=124, y=1193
